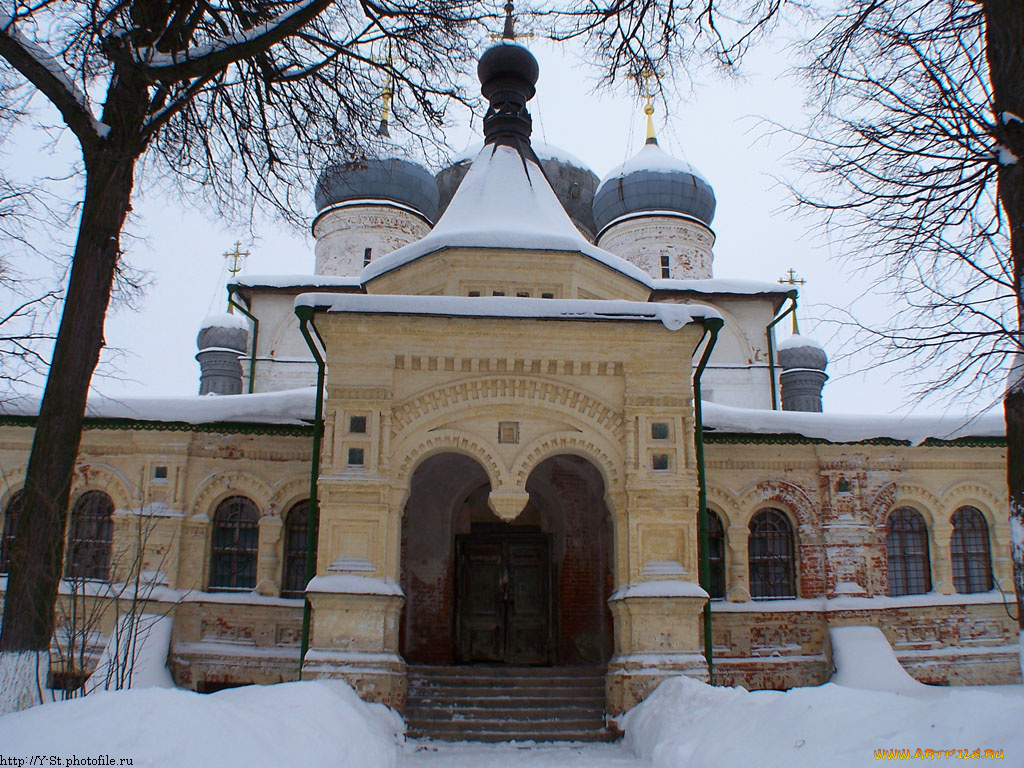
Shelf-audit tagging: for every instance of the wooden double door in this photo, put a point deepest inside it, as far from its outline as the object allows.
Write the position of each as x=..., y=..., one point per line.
x=503, y=598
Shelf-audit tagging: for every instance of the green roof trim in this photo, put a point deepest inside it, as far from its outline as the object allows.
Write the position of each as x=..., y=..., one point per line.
x=222, y=427
x=753, y=438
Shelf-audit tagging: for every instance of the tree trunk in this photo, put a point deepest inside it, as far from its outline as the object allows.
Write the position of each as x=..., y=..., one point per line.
x=38, y=550
x=1004, y=31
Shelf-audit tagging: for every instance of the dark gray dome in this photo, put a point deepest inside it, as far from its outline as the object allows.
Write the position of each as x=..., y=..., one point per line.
x=573, y=183
x=371, y=179
x=223, y=331
x=653, y=181
x=801, y=352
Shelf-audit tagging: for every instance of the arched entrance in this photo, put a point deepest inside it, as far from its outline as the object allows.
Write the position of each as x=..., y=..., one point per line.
x=482, y=591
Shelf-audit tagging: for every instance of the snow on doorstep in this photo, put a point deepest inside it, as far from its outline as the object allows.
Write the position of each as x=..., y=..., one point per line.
x=661, y=588
x=796, y=341
x=293, y=406
x=225, y=320
x=689, y=723
x=851, y=428
x=672, y=316
x=654, y=159
x=716, y=284
x=504, y=202
x=297, y=281
x=309, y=724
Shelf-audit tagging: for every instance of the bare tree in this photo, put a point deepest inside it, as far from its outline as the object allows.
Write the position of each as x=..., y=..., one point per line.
x=232, y=102
x=916, y=151
x=237, y=103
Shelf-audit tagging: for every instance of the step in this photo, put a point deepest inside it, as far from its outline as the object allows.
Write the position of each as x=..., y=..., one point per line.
x=443, y=712
x=495, y=703
x=499, y=736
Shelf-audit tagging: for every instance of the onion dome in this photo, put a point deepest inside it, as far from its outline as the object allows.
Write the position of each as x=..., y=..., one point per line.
x=222, y=339
x=803, y=376
x=223, y=330
x=653, y=180
x=573, y=182
x=798, y=351
x=392, y=179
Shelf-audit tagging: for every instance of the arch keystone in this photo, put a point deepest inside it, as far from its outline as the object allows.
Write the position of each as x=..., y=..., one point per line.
x=508, y=504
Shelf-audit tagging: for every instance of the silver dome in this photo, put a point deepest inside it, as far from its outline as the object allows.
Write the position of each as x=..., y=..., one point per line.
x=653, y=180
x=392, y=178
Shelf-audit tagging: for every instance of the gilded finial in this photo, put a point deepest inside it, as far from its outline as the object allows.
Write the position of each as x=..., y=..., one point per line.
x=387, y=94
x=791, y=278
x=645, y=75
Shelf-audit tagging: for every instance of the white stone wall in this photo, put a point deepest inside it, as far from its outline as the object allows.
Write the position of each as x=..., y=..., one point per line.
x=345, y=232
x=643, y=240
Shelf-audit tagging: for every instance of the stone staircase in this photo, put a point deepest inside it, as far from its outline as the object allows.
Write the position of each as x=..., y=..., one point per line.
x=497, y=703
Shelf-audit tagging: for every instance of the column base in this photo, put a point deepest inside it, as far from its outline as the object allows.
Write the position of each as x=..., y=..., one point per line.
x=632, y=678
x=379, y=678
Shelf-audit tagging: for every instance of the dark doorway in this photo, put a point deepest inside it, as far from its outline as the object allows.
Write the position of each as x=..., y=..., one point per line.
x=503, y=609
x=530, y=592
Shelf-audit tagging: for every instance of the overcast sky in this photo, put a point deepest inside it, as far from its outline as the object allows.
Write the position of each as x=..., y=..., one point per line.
x=718, y=128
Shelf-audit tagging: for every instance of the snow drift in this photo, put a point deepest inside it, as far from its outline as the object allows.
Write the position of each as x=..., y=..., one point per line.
x=688, y=723
x=321, y=723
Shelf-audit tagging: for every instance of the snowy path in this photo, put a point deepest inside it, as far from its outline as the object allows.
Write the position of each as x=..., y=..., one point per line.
x=438, y=754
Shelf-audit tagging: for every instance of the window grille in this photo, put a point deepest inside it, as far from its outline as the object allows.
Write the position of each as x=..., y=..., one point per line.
x=7, y=538
x=92, y=537
x=235, y=545
x=969, y=548
x=906, y=547
x=770, y=555
x=295, y=537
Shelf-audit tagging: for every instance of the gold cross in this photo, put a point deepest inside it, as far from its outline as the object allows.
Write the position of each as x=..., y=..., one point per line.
x=791, y=278
x=237, y=259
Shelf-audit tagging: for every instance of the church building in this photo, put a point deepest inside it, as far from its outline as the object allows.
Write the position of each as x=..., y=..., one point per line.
x=528, y=439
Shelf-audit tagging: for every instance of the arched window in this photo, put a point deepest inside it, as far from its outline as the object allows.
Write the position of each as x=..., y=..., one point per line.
x=91, y=537
x=906, y=548
x=716, y=555
x=235, y=544
x=7, y=538
x=770, y=555
x=296, y=529
x=969, y=548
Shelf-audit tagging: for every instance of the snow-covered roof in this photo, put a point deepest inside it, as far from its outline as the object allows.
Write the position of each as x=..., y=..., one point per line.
x=672, y=316
x=294, y=406
x=297, y=281
x=504, y=202
x=850, y=428
x=717, y=285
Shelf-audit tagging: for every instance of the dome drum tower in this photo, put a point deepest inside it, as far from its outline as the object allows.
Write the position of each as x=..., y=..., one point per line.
x=655, y=211
x=369, y=208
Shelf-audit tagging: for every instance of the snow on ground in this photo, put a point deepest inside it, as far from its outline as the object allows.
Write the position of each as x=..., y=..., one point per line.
x=688, y=723
x=439, y=754
x=304, y=724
